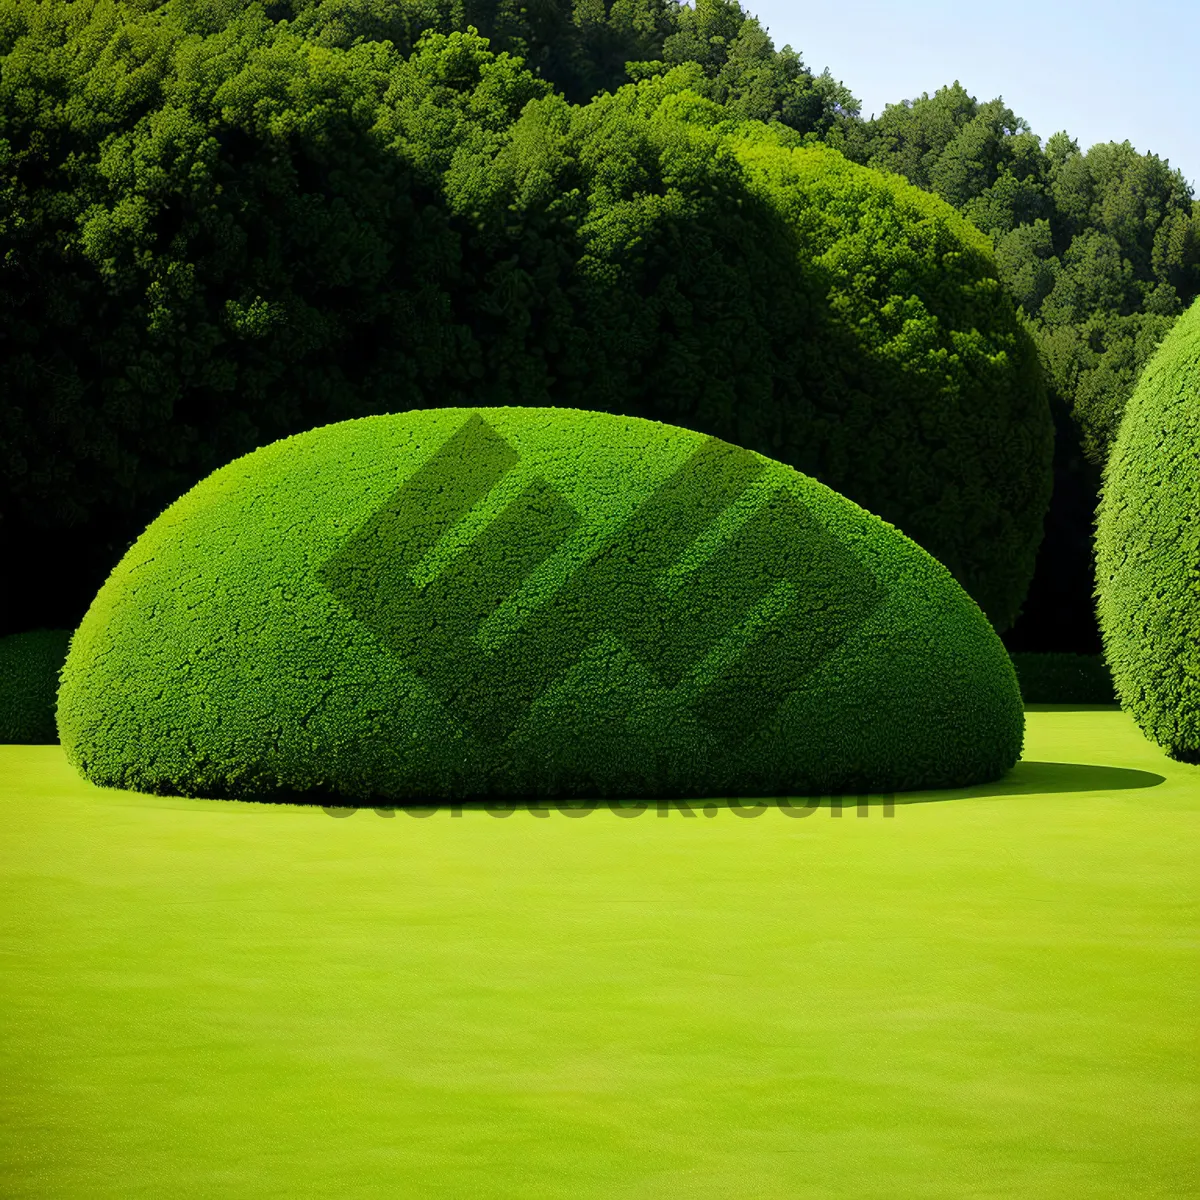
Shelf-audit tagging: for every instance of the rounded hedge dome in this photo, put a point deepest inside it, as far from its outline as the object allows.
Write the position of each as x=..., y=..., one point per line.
x=943, y=422
x=908, y=383
x=506, y=602
x=1148, y=547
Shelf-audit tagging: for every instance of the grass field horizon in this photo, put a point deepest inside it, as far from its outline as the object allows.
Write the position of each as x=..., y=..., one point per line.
x=981, y=992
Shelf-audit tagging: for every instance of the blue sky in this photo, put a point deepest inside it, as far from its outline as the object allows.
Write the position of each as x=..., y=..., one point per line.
x=1104, y=70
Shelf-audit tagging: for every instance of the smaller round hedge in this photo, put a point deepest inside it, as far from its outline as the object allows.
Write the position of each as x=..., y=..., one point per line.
x=1148, y=547
x=29, y=668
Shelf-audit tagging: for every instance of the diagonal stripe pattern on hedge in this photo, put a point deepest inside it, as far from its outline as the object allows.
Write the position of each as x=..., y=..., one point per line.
x=613, y=593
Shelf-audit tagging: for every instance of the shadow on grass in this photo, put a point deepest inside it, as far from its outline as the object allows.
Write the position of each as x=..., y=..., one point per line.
x=1025, y=779
x=1043, y=778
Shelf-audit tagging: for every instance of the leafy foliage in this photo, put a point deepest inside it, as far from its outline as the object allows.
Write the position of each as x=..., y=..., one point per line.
x=742, y=71
x=29, y=668
x=828, y=317
x=232, y=233
x=939, y=421
x=208, y=247
x=1098, y=360
x=1063, y=678
x=1084, y=242
x=1101, y=251
x=582, y=47
x=1148, y=547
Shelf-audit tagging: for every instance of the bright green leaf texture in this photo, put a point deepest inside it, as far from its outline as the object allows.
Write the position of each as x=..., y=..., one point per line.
x=223, y=234
x=1148, y=547
x=455, y=603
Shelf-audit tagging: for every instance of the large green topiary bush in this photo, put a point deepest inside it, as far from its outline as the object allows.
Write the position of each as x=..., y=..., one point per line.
x=29, y=667
x=1148, y=547
x=518, y=601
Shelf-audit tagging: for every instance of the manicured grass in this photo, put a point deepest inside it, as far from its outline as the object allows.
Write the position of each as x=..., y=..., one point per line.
x=990, y=993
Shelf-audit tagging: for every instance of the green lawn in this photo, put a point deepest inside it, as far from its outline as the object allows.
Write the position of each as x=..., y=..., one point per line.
x=989, y=993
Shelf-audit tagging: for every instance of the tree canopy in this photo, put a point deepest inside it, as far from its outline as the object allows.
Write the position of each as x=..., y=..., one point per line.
x=1101, y=250
x=136, y=137
x=224, y=231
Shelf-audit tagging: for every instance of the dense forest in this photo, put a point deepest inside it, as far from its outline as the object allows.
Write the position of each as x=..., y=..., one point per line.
x=154, y=154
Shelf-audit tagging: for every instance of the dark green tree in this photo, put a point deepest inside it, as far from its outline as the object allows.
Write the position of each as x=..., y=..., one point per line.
x=210, y=246
x=241, y=228
x=909, y=138
x=1027, y=263
x=235, y=234
x=1091, y=240
x=904, y=281
x=1099, y=250
x=744, y=73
